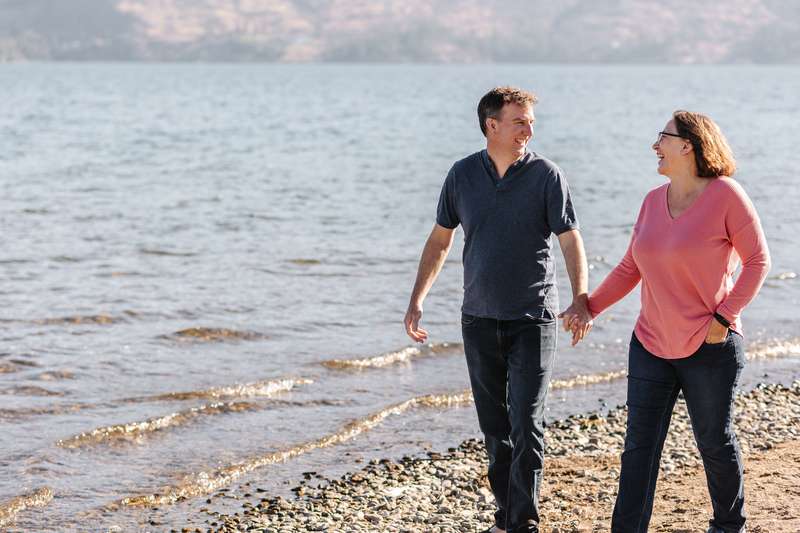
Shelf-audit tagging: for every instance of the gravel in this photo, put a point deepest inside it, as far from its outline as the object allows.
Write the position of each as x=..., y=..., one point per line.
x=448, y=492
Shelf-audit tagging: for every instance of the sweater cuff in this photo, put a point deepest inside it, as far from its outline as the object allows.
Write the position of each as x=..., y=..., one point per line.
x=727, y=314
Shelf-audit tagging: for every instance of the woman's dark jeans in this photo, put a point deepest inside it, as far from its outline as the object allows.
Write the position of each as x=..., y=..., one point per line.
x=509, y=365
x=708, y=379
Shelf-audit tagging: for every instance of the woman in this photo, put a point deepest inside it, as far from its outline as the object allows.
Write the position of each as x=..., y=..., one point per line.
x=685, y=248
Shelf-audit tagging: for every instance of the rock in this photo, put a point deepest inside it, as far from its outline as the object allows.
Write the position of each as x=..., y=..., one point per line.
x=448, y=492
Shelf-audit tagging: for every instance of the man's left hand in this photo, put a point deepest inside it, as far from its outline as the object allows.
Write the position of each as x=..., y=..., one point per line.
x=577, y=318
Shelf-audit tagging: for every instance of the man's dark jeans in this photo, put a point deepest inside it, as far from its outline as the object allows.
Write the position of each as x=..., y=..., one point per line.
x=509, y=363
x=708, y=379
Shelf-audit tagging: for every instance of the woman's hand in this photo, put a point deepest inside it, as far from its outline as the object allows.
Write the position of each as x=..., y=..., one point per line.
x=716, y=333
x=577, y=318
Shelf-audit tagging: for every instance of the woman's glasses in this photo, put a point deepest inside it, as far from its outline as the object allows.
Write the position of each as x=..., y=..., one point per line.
x=662, y=133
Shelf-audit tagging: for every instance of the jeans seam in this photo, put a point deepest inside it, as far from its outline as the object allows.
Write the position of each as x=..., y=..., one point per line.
x=499, y=334
x=652, y=457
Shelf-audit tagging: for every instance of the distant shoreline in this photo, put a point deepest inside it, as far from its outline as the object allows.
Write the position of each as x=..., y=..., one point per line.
x=432, y=64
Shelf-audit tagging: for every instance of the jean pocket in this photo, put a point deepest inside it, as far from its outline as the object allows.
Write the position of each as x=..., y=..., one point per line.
x=545, y=316
x=468, y=320
x=723, y=342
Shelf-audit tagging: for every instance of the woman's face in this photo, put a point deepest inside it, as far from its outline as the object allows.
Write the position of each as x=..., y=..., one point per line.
x=669, y=147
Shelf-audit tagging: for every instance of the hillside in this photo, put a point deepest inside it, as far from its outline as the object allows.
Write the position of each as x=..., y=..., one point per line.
x=457, y=31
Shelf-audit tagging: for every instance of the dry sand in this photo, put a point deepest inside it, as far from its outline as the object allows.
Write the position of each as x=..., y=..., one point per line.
x=579, y=492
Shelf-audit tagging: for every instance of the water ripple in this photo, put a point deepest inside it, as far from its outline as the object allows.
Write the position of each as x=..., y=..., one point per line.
x=239, y=390
x=135, y=431
x=10, y=509
x=214, y=335
x=206, y=482
x=404, y=355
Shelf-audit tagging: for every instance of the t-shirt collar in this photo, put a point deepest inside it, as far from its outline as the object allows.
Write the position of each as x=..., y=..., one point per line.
x=487, y=162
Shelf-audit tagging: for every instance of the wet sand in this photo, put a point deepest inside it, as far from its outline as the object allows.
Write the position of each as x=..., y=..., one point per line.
x=448, y=492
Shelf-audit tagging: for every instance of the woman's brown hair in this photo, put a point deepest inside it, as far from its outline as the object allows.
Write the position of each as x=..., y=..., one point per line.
x=711, y=151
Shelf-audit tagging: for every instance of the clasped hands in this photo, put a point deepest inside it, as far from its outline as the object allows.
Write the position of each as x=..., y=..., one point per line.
x=577, y=318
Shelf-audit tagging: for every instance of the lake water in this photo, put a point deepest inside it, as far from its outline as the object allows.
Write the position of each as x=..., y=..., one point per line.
x=202, y=265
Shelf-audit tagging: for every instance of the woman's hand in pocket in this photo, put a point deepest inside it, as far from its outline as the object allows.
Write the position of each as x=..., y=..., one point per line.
x=716, y=333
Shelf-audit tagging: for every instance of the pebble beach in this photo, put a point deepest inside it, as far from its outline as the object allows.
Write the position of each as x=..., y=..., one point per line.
x=447, y=491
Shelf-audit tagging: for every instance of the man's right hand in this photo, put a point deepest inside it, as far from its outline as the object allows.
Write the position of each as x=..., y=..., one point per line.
x=431, y=262
x=413, y=316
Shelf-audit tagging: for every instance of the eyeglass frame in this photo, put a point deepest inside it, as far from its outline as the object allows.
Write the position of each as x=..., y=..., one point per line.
x=662, y=133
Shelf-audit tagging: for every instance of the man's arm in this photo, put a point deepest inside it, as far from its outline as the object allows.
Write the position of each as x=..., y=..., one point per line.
x=578, y=319
x=430, y=264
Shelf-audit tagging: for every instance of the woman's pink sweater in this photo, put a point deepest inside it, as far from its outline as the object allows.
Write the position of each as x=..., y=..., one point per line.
x=686, y=265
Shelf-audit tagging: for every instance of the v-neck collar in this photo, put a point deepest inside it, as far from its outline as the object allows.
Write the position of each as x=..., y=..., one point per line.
x=686, y=211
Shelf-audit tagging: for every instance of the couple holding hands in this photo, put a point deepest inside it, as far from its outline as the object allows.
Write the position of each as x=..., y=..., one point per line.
x=690, y=236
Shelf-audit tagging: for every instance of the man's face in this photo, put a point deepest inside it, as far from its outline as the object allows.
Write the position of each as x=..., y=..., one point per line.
x=513, y=128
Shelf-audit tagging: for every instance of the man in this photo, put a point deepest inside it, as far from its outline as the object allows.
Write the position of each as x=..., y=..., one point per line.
x=509, y=201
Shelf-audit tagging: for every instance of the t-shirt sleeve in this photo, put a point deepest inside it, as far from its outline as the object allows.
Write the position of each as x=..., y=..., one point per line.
x=561, y=215
x=446, y=212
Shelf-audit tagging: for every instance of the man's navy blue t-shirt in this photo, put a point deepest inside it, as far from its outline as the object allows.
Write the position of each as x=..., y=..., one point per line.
x=508, y=262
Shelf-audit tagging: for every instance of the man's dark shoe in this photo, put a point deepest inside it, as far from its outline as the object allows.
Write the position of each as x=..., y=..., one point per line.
x=715, y=529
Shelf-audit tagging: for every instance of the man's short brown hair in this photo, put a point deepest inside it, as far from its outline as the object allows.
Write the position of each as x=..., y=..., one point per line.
x=492, y=102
